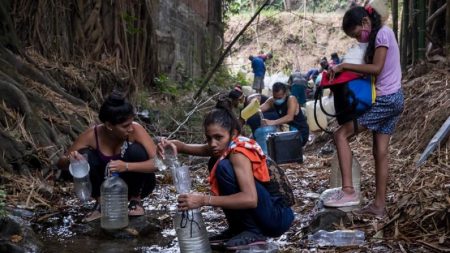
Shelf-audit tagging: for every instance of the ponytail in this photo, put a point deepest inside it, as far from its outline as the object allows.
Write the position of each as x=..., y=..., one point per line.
x=377, y=23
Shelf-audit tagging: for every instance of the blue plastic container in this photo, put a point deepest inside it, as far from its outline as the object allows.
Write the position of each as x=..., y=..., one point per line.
x=261, y=134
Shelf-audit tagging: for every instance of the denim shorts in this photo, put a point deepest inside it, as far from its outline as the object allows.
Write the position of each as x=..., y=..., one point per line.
x=384, y=113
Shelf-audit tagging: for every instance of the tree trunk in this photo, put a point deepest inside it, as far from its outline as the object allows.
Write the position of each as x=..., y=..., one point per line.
x=447, y=28
x=395, y=18
x=421, y=29
x=404, y=35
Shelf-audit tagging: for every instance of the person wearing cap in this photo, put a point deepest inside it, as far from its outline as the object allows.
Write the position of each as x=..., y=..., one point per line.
x=298, y=85
x=382, y=60
x=288, y=110
x=259, y=70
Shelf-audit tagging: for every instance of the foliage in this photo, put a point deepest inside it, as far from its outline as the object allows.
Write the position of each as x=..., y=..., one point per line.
x=233, y=7
x=225, y=79
x=165, y=85
x=130, y=21
x=2, y=202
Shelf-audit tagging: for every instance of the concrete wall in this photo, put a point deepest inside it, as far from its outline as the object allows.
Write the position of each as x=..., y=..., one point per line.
x=188, y=32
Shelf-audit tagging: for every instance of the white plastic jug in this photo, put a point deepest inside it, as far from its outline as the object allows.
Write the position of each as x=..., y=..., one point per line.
x=328, y=106
x=321, y=118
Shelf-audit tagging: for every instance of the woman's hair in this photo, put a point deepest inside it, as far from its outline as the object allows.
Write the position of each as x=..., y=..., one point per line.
x=354, y=17
x=236, y=92
x=223, y=115
x=115, y=109
x=279, y=86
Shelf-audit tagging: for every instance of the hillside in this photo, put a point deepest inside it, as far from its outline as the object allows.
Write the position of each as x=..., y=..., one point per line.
x=296, y=42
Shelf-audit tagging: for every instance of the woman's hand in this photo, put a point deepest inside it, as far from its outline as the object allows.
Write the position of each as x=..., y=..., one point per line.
x=117, y=166
x=74, y=155
x=267, y=122
x=165, y=144
x=335, y=69
x=191, y=201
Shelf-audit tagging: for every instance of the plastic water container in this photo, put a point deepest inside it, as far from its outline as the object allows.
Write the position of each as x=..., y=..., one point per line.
x=335, y=174
x=181, y=179
x=261, y=135
x=191, y=232
x=328, y=106
x=79, y=169
x=321, y=117
x=114, y=203
x=247, y=90
x=266, y=92
x=251, y=109
x=263, y=248
x=355, y=54
x=337, y=238
x=159, y=164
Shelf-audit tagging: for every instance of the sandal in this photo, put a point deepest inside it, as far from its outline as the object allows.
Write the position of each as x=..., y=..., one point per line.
x=135, y=208
x=244, y=240
x=342, y=199
x=371, y=210
x=95, y=214
x=219, y=239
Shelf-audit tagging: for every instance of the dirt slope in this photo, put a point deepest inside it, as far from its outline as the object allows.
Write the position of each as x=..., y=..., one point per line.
x=296, y=42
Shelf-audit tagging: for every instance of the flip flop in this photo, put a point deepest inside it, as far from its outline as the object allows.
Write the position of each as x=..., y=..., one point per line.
x=135, y=208
x=371, y=210
x=95, y=214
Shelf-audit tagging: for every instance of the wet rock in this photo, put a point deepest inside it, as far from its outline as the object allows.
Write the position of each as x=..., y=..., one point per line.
x=326, y=219
x=9, y=247
x=138, y=227
x=17, y=236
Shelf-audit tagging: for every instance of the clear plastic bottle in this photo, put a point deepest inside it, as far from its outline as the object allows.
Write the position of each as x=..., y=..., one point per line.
x=79, y=169
x=181, y=179
x=337, y=238
x=114, y=203
x=336, y=178
x=262, y=248
x=191, y=232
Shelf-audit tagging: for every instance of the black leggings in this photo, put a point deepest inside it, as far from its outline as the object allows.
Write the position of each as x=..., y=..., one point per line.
x=139, y=183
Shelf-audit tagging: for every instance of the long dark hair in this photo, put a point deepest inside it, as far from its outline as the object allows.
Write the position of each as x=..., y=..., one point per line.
x=223, y=115
x=115, y=109
x=354, y=17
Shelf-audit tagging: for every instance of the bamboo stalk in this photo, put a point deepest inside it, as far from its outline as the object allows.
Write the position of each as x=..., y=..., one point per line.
x=395, y=17
x=447, y=28
x=404, y=35
x=421, y=29
x=436, y=14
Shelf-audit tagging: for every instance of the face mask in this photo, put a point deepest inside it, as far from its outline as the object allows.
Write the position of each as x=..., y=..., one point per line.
x=365, y=33
x=279, y=101
x=240, y=106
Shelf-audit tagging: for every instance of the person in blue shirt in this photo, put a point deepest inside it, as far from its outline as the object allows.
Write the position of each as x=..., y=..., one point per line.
x=259, y=70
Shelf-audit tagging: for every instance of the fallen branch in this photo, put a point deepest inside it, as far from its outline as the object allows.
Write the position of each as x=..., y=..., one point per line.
x=190, y=114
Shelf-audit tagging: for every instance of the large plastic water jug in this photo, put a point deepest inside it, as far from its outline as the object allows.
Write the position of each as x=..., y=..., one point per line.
x=335, y=174
x=251, y=109
x=261, y=134
x=191, y=232
x=328, y=106
x=321, y=117
x=114, y=203
x=79, y=169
